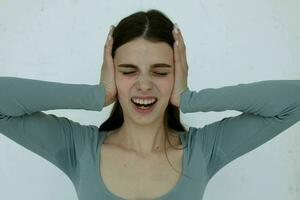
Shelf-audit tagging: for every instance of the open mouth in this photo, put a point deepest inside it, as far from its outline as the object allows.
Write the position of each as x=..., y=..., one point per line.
x=143, y=106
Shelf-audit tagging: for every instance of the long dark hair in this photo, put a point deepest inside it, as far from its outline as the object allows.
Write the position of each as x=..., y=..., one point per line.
x=153, y=26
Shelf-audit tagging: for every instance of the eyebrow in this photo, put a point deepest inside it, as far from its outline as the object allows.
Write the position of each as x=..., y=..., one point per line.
x=156, y=65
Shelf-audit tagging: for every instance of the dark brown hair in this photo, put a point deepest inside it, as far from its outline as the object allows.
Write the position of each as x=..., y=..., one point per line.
x=153, y=26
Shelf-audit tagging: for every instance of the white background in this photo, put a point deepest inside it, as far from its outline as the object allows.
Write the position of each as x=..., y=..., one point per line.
x=228, y=42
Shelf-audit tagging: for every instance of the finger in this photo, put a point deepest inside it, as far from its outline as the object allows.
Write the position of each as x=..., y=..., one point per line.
x=181, y=40
x=108, y=44
x=176, y=38
x=175, y=35
x=181, y=45
x=109, y=36
x=182, y=48
x=176, y=54
x=180, y=53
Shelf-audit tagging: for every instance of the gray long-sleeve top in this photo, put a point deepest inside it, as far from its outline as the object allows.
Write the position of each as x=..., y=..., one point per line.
x=268, y=108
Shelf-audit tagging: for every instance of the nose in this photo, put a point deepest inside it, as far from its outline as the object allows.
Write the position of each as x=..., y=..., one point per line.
x=144, y=84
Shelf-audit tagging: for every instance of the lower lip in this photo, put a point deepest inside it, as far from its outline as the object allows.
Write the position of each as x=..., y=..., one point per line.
x=140, y=110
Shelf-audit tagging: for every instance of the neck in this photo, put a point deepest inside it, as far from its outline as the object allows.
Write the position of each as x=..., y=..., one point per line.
x=146, y=141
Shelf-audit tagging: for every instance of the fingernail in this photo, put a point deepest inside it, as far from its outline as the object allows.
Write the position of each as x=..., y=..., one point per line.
x=176, y=31
x=111, y=27
x=176, y=42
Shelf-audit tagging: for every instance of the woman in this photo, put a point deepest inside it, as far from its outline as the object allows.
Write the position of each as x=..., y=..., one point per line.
x=125, y=157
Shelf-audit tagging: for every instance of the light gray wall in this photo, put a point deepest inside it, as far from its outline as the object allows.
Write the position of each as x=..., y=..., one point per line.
x=228, y=42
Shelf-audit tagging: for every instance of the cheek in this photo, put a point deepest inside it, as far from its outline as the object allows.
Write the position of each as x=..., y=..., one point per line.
x=165, y=85
x=123, y=85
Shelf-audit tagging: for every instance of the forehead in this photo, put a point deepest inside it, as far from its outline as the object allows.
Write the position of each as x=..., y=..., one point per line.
x=141, y=52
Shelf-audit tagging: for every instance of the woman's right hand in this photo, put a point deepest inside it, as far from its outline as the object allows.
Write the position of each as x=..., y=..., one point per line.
x=108, y=72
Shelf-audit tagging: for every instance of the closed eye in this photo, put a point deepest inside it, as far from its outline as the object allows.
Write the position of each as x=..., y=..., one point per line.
x=161, y=74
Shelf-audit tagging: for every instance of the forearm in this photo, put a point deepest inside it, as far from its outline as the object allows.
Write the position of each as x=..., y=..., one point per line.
x=19, y=96
x=265, y=98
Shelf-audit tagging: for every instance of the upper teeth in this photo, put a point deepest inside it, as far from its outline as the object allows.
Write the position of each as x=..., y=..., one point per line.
x=143, y=101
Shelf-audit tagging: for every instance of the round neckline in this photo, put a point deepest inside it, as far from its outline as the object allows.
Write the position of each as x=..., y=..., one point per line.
x=100, y=180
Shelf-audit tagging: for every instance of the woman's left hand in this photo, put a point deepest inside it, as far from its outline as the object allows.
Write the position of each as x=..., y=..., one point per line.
x=180, y=70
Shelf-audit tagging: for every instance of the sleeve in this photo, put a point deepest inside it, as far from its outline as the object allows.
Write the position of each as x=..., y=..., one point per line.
x=57, y=139
x=268, y=108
